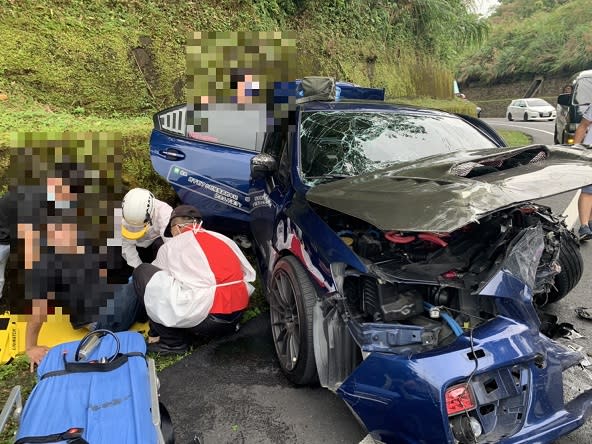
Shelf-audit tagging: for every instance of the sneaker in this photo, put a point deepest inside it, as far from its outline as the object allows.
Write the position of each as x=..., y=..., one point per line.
x=585, y=233
x=164, y=349
x=590, y=224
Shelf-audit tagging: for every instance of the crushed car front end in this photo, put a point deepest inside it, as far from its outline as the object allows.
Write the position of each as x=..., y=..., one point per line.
x=449, y=356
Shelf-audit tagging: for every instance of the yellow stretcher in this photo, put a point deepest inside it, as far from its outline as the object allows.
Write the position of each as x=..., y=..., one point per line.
x=56, y=330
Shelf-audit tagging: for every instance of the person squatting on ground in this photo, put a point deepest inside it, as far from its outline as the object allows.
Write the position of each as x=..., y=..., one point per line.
x=197, y=285
x=583, y=135
x=144, y=219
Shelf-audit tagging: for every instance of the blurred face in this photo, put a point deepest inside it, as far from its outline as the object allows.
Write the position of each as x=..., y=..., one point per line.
x=62, y=236
x=59, y=192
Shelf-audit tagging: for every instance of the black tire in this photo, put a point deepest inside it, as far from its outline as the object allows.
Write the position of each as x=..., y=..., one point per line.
x=510, y=117
x=291, y=300
x=525, y=117
x=572, y=266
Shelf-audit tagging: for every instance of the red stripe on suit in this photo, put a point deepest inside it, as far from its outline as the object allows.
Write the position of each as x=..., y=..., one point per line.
x=226, y=268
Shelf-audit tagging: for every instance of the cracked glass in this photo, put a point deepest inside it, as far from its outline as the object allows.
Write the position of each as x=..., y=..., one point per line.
x=337, y=144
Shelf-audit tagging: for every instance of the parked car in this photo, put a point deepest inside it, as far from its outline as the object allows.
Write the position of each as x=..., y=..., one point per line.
x=403, y=262
x=530, y=109
x=571, y=106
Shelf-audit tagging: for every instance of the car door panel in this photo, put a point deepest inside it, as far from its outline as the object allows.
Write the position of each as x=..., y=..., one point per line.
x=190, y=166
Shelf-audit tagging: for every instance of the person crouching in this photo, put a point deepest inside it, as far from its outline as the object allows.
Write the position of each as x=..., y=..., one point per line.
x=197, y=285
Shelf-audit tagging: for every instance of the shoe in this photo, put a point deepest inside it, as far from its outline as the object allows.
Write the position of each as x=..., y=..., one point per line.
x=585, y=233
x=164, y=349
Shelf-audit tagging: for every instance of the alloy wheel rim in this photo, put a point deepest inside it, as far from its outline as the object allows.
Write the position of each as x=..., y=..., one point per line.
x=285, y=321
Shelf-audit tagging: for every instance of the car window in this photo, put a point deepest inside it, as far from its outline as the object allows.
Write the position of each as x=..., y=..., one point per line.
x=537, y=102
x=352, y=143
x=228, y=125
x=583, y=91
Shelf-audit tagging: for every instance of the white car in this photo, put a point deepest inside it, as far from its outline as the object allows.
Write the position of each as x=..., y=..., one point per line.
x=531, y=109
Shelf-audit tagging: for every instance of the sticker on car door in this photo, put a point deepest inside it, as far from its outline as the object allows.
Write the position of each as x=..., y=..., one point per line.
x=209, y=188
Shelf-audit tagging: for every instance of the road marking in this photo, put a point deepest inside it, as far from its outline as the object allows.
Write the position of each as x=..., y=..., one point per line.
x=571, y=211
x=523, y=127
x=367, y=440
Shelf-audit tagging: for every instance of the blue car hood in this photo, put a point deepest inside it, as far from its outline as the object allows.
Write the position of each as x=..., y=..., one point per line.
x=445, y=192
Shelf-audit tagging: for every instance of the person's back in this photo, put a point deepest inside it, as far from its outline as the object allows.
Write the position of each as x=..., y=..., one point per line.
x=198, y=281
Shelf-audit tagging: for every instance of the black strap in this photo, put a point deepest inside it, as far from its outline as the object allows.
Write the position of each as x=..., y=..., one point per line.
x=93, y=366
x=166, y=425
x=71, y=436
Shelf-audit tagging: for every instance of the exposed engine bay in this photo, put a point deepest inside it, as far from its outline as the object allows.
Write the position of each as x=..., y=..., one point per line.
x=432, y=280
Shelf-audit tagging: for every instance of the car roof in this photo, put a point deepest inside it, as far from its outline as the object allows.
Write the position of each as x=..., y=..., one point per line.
x=579, y=75
x=372, y=106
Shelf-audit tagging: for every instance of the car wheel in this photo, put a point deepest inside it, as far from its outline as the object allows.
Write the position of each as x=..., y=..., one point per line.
x=510, y=117
x=291, y=301
x=525, y=117
x=572, y=265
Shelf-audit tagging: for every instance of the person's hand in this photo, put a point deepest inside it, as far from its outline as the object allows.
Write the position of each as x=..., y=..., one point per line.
x=36, y=355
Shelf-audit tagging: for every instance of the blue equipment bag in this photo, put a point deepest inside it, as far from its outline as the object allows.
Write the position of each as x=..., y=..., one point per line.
x=100, y=390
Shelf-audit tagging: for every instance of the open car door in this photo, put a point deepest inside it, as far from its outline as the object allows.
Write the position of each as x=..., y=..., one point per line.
x=209, y=170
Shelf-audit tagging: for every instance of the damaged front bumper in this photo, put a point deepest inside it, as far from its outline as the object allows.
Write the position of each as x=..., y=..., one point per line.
x=514, y=373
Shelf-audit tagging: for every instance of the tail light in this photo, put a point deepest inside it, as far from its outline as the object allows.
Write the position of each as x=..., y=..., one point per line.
x=459, y=398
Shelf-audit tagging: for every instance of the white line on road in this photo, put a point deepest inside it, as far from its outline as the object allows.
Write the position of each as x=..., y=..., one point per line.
x=571, y=211
x=523, y=127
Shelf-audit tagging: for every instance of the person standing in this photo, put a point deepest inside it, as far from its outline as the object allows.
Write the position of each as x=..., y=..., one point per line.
x=583, y=135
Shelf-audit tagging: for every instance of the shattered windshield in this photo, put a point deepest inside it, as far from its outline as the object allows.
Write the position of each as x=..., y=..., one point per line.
x=337, y=144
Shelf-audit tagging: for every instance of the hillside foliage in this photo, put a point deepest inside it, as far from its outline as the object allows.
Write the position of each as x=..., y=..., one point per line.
x=127, y=56
x=532, y=37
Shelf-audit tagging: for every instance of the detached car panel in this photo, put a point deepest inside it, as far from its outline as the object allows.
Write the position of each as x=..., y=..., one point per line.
x=403, y=262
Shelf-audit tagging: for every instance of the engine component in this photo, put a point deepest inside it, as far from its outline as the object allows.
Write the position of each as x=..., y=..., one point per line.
x=382, y=301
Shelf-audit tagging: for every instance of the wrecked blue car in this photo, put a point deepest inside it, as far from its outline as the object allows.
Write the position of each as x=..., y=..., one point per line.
x=403, y=260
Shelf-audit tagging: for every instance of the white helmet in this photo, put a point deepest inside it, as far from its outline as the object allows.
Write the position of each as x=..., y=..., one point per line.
x=138, y=210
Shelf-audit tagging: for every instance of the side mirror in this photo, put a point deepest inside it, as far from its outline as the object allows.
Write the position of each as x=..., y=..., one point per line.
x=263, y=165
x=564, y=99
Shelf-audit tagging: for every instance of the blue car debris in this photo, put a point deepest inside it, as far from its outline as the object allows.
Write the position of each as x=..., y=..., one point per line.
x=403, y=260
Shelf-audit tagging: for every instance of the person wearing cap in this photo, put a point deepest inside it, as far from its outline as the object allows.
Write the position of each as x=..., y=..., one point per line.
x=144, y=219
x=197, y=285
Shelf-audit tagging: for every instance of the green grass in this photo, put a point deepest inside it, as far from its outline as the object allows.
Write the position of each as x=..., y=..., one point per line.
x=516, y=138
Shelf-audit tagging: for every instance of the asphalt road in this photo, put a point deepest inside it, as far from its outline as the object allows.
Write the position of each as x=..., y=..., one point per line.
x=232, y=391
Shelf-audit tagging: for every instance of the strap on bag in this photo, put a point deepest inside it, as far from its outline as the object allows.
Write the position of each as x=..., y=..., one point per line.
x=70, y=436
x=105, y=364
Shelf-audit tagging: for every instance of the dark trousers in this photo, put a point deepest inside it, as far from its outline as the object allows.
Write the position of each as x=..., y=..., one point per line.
x=118, y=271
x=213, y=326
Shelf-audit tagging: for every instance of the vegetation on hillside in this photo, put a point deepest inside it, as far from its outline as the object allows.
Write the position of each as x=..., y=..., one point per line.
x=548, y=37
x=127, y=56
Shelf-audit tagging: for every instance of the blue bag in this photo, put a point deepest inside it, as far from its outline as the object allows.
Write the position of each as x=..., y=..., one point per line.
x=103, y=395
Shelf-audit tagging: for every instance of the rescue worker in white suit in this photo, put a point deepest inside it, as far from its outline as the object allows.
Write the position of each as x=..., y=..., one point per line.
x=144, y=221
x=197, y=285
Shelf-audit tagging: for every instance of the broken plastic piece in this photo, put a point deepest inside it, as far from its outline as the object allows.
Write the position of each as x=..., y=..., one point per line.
x=584, y=313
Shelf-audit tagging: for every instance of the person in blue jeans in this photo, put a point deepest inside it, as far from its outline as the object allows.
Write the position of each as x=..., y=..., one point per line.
x=583, y=135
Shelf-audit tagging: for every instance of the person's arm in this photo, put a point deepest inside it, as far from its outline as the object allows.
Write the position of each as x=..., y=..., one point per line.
x=31, y=237
x=35, y=352
x=581, y=130
x=130, y=252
